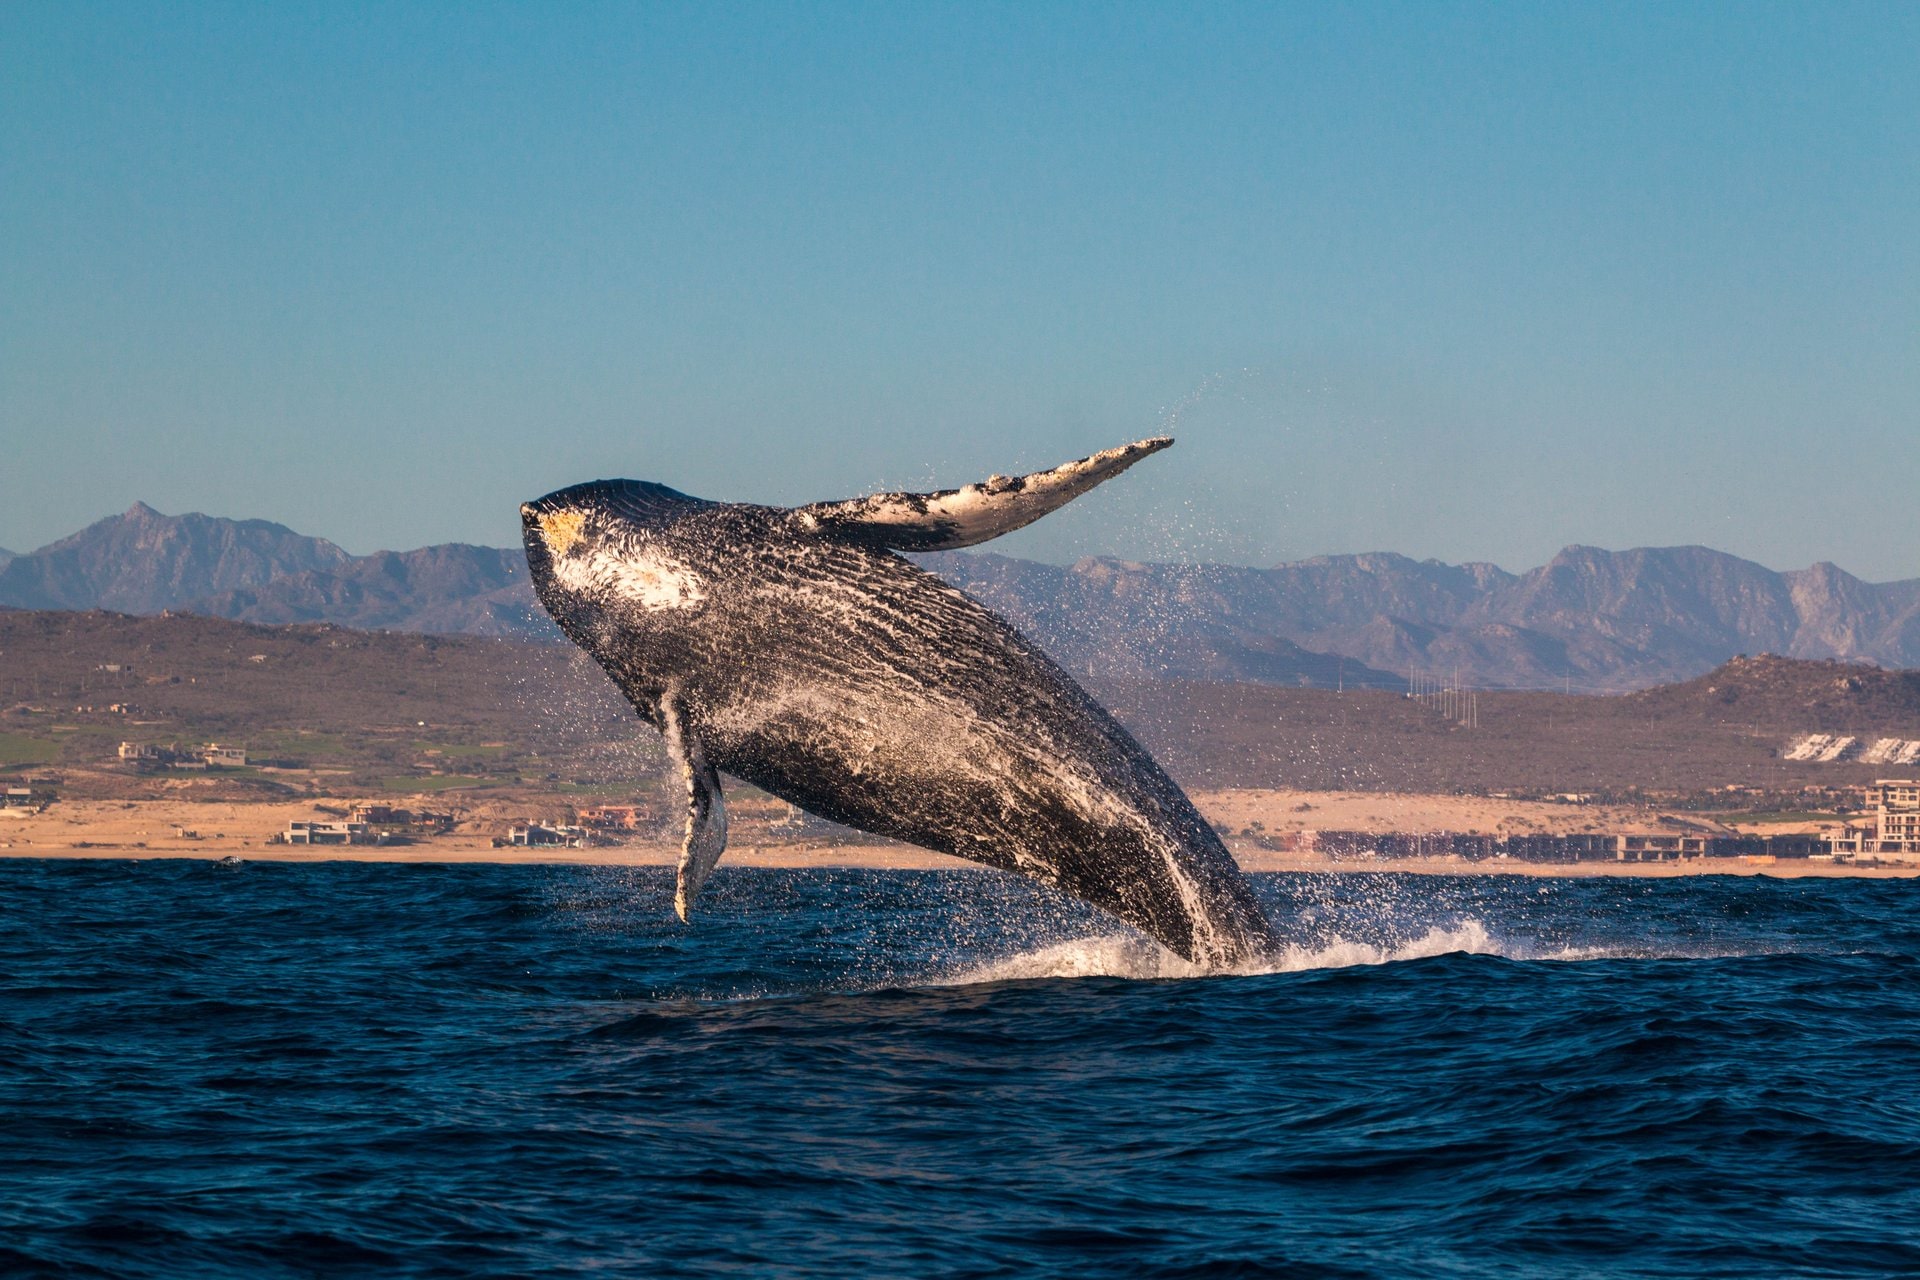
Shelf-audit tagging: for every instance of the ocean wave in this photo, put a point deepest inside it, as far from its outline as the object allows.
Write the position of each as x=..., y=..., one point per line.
x=1138, y=958
x=495, y=1070
x=1123, y=956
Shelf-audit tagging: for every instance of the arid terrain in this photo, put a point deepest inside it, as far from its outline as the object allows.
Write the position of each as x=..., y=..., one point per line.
x=497, y=731
x=327, y=710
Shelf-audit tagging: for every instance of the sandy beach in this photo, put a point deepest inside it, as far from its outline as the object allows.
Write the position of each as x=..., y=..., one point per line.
x=184, y=829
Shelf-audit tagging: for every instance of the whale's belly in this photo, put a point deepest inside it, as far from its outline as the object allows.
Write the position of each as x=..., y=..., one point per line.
x=914, y=765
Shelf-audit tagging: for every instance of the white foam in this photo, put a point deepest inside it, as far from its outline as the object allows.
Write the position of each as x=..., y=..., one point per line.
x=1105, y=957
x=1120, y=956
x=1469, y=937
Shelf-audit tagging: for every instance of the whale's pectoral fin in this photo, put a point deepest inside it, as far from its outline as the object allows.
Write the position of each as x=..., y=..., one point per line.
x=963, y=517
x=706, y=831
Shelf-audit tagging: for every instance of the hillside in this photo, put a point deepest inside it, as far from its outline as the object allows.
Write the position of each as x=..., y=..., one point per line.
x=450, y=589
x=1590, y=620
x=332, y=709
x=1818, y=697
x=1729, y=729
x=323, y=706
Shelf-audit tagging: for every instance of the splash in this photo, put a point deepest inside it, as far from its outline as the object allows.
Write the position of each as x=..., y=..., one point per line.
x=1467, y=937
x=1118, y=956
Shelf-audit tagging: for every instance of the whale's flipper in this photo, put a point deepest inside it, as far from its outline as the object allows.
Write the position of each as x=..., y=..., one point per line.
x=706, y=837
x=954, y=518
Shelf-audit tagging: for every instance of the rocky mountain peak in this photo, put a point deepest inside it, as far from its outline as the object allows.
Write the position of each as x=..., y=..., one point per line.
x=1589, y=619
x=143, y=561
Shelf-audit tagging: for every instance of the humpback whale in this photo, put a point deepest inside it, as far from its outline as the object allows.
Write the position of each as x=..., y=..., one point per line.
x=796, y=649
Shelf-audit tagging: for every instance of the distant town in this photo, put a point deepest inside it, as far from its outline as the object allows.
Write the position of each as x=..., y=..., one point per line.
x=1881, y=827
x=1886, y=833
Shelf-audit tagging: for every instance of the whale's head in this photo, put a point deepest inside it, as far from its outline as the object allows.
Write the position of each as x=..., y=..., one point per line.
x=603, y=554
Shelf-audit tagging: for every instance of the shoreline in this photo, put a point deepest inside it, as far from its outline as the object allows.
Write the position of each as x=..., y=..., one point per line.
x=894, y=858
x=210, y=831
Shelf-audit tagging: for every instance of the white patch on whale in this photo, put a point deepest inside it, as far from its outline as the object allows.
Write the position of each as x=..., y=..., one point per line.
x=646, y=576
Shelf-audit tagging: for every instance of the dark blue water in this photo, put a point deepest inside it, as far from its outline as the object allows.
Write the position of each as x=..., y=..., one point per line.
x=267, y=1070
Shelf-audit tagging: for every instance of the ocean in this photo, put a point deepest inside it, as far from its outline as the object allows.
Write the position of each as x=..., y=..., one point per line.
x=265, y=1069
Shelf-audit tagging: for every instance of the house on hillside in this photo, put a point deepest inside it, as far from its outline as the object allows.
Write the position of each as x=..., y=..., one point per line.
x=617, y=817
x=220, y=756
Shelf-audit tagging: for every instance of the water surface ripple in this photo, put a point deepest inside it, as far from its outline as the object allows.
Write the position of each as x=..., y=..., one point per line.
x=343, y=1068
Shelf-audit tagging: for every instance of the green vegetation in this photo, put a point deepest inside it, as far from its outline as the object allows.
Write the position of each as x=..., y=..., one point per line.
x=608, y=791
x=359, y=706
x=85, y=744
x=303, y=744
x=435, y=782
x=20, y=748
x=462, y=750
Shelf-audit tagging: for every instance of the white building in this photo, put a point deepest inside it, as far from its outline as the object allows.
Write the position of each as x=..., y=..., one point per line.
x=330, y=833
x=1891, y=825
x=543, y=833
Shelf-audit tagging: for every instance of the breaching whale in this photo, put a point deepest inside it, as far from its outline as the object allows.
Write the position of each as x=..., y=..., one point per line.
x=793, y=648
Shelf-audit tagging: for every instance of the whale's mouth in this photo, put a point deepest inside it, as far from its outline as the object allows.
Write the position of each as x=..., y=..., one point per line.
x=533, y=539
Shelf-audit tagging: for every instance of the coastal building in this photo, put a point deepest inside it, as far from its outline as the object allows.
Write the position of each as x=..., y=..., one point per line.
x=1890, y=827
x=1896, y=805
x=330, y=833
x=138, y=751
x=419, y=821
x=1577, y=846
x=34, y=793
x=617, y=817
x=220, y=756
x=548, y=835
x=1800, y=845
x=1659, y=848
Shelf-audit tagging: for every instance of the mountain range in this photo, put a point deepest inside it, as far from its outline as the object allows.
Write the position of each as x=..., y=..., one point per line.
x=257, y=571
x=1589, y=620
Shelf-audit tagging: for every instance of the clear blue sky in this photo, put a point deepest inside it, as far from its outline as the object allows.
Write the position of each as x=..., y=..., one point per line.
x=1470, y=282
